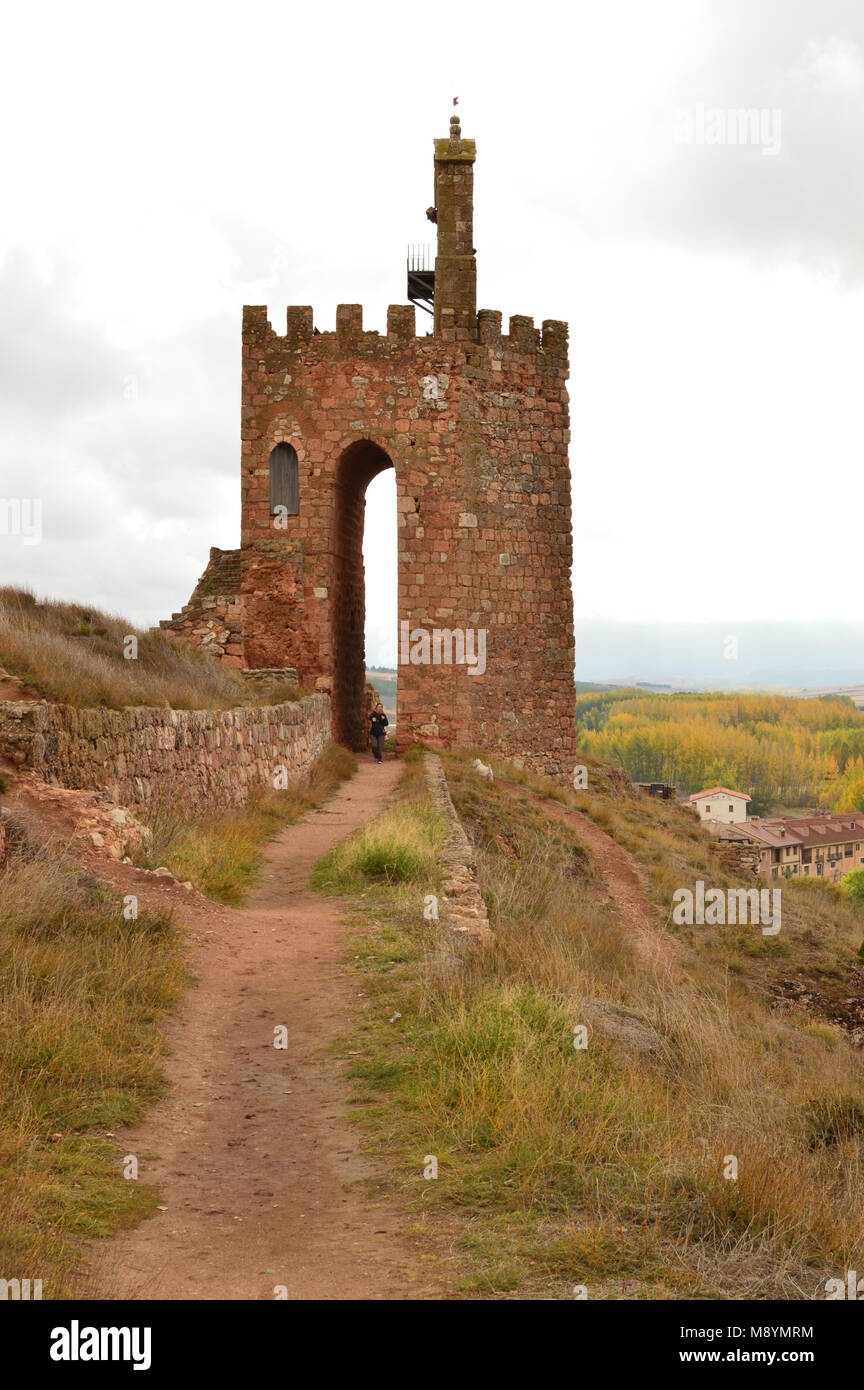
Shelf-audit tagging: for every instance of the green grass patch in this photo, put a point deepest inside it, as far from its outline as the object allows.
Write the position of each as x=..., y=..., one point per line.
x=399, y=847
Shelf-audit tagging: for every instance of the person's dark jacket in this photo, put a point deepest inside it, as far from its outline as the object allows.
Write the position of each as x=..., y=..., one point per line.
x=377, y=723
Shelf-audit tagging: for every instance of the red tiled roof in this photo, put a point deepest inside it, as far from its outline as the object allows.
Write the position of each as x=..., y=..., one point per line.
x=770, y=835
x=806, y=831
x=822, y=830
x=713, y=791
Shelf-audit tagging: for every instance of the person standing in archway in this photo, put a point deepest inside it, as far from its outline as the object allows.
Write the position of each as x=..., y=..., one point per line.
x=378, y=722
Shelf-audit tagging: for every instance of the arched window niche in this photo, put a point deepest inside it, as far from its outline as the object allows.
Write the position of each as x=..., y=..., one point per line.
x=284, y=481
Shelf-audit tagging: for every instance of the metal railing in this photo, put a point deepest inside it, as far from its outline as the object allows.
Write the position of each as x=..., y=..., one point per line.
x=420, y=256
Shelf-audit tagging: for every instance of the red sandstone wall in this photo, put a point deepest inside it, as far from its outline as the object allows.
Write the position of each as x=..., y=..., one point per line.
x=476, y=426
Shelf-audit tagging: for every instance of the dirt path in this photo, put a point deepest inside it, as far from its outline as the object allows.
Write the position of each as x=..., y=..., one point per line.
x=259, y=1168
x=12, y=689
x=616, y=868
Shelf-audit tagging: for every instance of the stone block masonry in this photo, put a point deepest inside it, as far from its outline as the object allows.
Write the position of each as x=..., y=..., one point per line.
x=474, y=421
x=141, y=755
x=213, y=617
x=465, y=909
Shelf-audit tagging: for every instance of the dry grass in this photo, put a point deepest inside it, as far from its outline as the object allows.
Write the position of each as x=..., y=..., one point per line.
x=82, y=993
x=822, y=927
x=75, y=655
x=604, y=1166
x=220, y=852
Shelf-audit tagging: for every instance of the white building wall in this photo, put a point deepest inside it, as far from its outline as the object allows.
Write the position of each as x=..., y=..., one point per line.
x=730, y=810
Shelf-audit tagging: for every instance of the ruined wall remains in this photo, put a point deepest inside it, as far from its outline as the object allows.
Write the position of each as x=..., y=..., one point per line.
x=464, y=905
x=143, y=755
x=741, y=860
x=213, y=617
x=474, y=421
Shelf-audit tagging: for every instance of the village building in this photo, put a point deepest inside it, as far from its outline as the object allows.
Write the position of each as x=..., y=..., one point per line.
x=721, y=804
x=824, y=846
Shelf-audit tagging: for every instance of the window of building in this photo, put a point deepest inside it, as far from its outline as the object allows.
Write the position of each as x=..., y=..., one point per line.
x=284, y=481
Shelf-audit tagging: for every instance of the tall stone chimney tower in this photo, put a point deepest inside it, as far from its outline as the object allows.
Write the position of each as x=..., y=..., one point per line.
x=474, y=422
x=456, y=262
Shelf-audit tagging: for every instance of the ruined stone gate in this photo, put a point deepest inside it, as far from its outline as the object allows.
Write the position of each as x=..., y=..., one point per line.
x=475, y=424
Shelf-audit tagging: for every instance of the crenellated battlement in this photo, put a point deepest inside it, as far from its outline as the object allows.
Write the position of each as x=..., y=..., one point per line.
x=522, y=337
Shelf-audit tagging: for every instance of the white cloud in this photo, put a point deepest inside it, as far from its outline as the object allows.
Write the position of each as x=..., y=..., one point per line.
x=169, y=165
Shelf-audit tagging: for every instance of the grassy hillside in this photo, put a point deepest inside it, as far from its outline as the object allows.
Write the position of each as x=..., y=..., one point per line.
x=82, y=993
x=75, y=655
x=605, y=1167
x=778, y=749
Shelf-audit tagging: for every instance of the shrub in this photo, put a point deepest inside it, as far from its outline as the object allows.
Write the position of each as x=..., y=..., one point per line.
x=853, y=886
x=833, y=1120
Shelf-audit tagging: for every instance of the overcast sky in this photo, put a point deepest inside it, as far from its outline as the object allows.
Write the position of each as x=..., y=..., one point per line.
x=162, y=165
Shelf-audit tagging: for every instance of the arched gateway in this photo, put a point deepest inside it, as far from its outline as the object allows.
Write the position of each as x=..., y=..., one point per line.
x=475, y=424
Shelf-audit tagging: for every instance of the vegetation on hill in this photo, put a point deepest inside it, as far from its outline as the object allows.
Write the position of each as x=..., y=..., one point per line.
x=385, y=683
x=75, y=655
x=778, y=749
x=605, y=1167
x=847, y=792
x=82, y=993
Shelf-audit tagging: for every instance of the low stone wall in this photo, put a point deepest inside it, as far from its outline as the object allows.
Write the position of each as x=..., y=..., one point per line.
x=465, y=908
x=141, y=755
x=739, y=859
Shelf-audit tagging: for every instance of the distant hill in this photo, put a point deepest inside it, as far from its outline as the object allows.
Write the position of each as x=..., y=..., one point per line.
x=384, y=682
x=778, y=748
x=800, y=656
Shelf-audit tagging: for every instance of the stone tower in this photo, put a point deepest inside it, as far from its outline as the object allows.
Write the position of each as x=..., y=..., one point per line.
x=475, y=424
